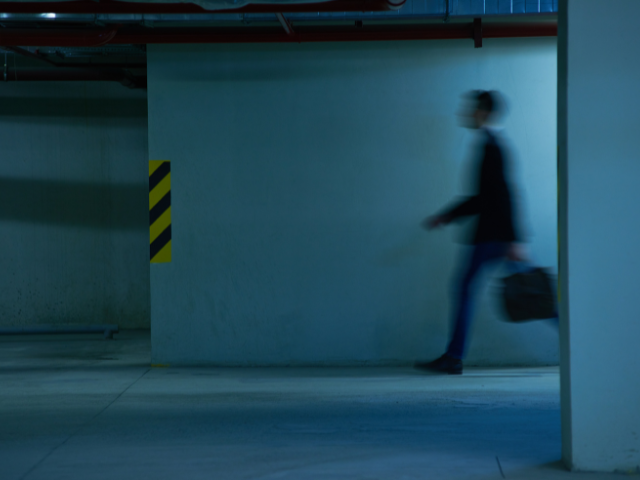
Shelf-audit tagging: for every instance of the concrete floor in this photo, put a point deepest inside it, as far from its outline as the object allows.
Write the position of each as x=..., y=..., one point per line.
x=87, y=408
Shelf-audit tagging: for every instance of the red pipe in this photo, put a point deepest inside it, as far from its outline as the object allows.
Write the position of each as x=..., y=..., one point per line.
x=514, y=30
x=114, y=6
x=93, y=38
x=301, y=34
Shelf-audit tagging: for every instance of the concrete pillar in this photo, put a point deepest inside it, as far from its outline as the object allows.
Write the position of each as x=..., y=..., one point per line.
x=599, y=226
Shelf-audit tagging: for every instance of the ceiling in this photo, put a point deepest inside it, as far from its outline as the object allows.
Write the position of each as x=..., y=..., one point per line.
x=111, y=46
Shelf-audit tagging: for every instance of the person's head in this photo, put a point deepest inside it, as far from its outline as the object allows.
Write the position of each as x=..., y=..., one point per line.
x=483, y=107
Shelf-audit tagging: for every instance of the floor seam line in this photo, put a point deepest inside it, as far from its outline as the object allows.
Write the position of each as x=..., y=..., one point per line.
x=77, y=430
x=118, y=397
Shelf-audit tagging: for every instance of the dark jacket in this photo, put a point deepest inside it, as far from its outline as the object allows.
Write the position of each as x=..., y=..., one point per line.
x=493, y=202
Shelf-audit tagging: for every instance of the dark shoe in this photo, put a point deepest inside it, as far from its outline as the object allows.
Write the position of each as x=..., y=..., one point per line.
x=444, y=364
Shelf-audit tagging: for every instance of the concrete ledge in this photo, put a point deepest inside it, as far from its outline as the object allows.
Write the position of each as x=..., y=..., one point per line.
x=108, y=330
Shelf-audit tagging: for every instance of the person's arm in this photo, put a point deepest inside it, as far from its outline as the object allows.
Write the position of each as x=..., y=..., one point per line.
x=468, y=206
x=464, y=208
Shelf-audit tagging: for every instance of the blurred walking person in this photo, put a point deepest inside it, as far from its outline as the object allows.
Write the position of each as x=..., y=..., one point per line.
x=495, y=237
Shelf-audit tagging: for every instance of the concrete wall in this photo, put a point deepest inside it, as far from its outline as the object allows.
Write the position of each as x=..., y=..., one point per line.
x=600, y=233
x=300, y=175
x=74, y=203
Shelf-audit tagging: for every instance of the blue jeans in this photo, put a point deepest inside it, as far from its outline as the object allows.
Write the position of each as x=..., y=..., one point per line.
x=482, y=255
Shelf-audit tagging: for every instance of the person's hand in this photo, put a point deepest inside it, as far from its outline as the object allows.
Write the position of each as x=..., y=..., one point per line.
x=517, y=253
x=435, y=221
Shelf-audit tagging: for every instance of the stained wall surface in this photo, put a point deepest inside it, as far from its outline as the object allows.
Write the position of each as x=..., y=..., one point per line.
x=74, y=202
x=300, y=176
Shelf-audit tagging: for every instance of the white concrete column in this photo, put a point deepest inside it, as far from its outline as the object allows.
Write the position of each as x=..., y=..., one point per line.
x=599, y=175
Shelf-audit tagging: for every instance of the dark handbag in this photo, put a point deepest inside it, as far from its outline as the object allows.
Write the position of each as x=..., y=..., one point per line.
x=529, y=295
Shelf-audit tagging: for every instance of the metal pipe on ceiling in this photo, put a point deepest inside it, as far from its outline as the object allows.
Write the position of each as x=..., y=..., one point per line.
x=74, y=75
x=114, y=6
x=320, y=33
x=92, y=65
x=407, y=14
x=68, y=74
x=73, y=72
x=28, y=53
x=56, y=37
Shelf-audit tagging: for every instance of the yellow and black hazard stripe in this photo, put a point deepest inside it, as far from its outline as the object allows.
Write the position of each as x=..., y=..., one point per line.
x=160, y=210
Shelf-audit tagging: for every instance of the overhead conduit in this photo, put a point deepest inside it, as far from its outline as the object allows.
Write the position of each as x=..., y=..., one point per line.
x=75, y=75
x=199, y=6
x=301, y=33
x=56, y=37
